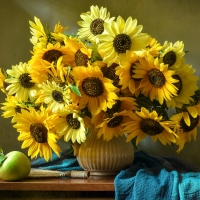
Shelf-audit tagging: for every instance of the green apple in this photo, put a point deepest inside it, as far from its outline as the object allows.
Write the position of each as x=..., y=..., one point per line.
x=14, y=166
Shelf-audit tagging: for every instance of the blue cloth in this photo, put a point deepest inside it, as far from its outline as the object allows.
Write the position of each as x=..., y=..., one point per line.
x=156, y=178
x=66, y=162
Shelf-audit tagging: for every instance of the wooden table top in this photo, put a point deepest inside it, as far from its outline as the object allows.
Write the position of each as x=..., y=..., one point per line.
x=60, y=184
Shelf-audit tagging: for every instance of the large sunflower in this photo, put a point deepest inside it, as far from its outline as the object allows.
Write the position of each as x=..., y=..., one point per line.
x=120, y=37
x=187, y=86
x=113, y=126
x=71, y=125
x=145, y=123
x=35, y=132
x=98, y=92
x=189, y=121
x=93, y=23
x=173, y=54
x=157, y=81
x=20, y=82
x=54, y=96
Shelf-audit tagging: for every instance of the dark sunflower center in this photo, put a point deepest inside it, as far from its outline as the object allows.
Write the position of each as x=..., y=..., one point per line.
x=81, y=59
x=169, y=58
x=193, y=123
x=58, y=96
x=121, y=43
x=114, y=122
x=39, y=132
x=109, y=72
x=52, y=55
x=92, y=86
x=18, y=109
x=96, y=27
x=156, y=78
x=178, y=84
x=132, y=73
x=151, y=127
x=25, y=81
x=73, y=122
x=115, y=108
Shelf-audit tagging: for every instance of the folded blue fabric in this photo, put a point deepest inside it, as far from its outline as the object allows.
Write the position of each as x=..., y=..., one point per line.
x=66, y=162
x=156, y=178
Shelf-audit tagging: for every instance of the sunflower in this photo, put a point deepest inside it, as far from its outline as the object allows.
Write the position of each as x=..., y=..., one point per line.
x=39, y=37
x=145, y=123
x=54, y=96
x=123, y=103
x=71, y=125
x=189, y=121
x=11, y=107
x=20, y=82
x=98, y=92
x=125, y=73
x=2, y=81
x=43, y=59
x=35, y=132
x=187, y=86
x=120, y=37
x=153, y=47
x=172, y=54
x=157, y=81
x=93, y=23
x=113, y=126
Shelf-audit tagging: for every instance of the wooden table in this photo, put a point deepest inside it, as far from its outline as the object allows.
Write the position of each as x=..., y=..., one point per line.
x=58, y=188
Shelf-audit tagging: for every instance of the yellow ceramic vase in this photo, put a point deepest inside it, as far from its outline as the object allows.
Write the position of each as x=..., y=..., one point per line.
x=104, y=158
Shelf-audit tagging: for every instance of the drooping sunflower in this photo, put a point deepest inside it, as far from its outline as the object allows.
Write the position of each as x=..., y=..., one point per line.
x=189, y=121
x=20, y=83
x=54, y=96
x=113, y=126
x=93, y=23
x=173, y=54
x=98, y=92
x=35, y=132
x=122, y=104
x=71, y=125
x=187, y=86
x=11, y=107
x=125, y=73
x=120, y=37
x=145, y=123
x=157, y=81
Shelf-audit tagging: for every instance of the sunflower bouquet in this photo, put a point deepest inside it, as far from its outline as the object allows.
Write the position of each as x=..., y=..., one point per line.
x=110, y=75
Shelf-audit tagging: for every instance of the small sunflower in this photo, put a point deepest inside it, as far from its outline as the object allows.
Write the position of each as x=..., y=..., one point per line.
x=93, y=23
x=20, y=82
x=189, y=121
x=145, y=123
x=3, y=84
x=98, y=92
x=39, y=37
x=187, y=86
x=113, y=126
x=157, y=81
x=125, y=73
x=35, y=132
x=11, y=107
x=54, y=96
x=172, y=54
x=71, y=125
x=120, y=37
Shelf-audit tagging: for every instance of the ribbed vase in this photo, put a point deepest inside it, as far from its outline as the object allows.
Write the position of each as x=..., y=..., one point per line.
x=104, y=158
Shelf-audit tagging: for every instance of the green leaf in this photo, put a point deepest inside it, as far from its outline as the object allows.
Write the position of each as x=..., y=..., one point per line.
x=75, y=90
x=2, y=156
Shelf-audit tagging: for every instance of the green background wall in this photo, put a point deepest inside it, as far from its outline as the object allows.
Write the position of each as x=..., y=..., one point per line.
x=170, y=20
